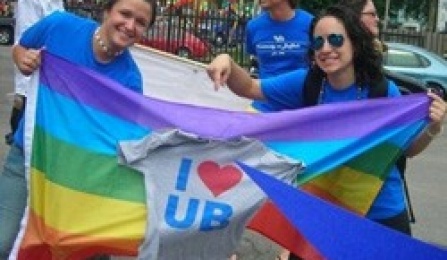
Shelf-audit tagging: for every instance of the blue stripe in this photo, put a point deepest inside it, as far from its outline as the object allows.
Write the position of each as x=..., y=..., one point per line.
x=66, y=120
x=320, y=157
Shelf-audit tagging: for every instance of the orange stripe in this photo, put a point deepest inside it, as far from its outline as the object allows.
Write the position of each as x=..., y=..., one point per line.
x=43, y=242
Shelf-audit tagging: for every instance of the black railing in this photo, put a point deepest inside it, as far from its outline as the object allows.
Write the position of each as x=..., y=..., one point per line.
x=188, y=33
x=200, y=35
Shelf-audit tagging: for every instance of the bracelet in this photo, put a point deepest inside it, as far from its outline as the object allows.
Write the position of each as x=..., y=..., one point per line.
x=432, y=135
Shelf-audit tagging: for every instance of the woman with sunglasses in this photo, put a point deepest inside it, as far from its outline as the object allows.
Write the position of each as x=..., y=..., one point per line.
x=99, y=47
x=345, y=55
x=369, y=18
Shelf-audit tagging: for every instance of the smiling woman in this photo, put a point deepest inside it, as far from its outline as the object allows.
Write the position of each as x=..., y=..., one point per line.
x=347, y=67
x=102, y=48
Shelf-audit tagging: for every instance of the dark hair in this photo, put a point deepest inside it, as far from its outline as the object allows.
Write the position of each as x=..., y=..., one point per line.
x=367, y=60
x=293, y=4
x=108, y=5
x=356, y=5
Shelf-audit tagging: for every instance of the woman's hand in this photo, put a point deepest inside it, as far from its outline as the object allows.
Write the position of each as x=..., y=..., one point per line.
x=219, y=70
x=27, y=60
x=437, y=113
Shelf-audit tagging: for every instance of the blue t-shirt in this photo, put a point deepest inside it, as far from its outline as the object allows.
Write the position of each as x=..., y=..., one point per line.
x=279, y=46
x=69, y=36
x=286, y=92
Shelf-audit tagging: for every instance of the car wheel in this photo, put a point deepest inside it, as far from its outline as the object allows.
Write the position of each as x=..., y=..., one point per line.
x=184, y=52
x=438, y=89
x=6, y=35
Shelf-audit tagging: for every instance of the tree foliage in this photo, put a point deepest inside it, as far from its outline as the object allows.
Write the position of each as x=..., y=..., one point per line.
x=315, y=6
x=417, y=9
x=413, y=8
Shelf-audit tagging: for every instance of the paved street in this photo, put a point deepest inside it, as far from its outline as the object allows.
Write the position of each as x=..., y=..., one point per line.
x=426, y=175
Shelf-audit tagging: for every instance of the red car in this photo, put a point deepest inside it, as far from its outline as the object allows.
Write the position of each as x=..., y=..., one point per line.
x=168, y=36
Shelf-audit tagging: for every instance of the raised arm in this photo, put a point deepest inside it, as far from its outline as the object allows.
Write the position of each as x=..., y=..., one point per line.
x=224, y=71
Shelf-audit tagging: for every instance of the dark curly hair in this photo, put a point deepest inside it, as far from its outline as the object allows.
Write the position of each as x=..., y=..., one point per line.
x=367, y=60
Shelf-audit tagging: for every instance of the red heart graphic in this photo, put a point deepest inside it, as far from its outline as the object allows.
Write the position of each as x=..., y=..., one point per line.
x=219, y=180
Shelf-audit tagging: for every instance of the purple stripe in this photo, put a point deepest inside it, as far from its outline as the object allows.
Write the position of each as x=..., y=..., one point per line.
x=356, y=118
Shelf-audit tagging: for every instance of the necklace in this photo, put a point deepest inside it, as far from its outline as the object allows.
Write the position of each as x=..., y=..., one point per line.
x=322, y=92
x=104, y=47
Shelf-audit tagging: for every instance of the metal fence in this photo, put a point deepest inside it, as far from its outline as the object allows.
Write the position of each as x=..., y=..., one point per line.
x=201, y=35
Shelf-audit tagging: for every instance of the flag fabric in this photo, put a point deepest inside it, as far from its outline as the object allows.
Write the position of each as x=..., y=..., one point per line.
x=201, y=202
x=82, y=202
x=338, y=233
x=172, y=78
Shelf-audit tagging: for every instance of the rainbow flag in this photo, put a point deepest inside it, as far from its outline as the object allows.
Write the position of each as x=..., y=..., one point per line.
x=82, y=202
x=350, y=236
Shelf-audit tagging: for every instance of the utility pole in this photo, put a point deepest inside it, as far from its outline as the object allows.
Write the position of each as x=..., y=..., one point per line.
x=387, y=11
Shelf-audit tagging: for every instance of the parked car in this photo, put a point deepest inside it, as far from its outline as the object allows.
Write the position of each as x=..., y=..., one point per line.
x=169, y=36
x=7, y=25
x=418, y=63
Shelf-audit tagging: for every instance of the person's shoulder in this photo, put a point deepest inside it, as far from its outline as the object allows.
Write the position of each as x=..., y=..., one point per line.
x=72, y=22
x=62, y=17
x=304, y=15
x=262, y=17
x=258, y=21
x=69, y=16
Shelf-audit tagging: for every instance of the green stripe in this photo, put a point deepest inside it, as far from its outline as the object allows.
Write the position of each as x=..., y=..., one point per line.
x=377, y=162
x=85, y=171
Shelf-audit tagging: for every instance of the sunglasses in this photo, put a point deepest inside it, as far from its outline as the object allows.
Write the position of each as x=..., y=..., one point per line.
x=335, y=40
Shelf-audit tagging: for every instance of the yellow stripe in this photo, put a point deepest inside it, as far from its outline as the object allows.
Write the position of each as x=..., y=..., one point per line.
x=80, y=213
x=353, y=188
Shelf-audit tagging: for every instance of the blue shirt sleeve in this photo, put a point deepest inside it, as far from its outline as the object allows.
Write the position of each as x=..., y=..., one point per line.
x=393, y=90
x=36, y=35
x=285, y=91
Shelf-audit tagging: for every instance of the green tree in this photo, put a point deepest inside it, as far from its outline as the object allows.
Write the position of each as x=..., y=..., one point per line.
x=315, y=6
x=421, y=10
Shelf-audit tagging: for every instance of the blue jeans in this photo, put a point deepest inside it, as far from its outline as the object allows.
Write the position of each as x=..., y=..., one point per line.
x=13, y=195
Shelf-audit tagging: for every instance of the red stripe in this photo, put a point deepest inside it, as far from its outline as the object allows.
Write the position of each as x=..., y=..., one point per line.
x=270, y=222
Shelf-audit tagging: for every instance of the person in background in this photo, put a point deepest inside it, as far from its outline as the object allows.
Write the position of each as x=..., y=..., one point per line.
x=27, y=13
x=369, y=17
x=99, y=47
x=345, y=56
x=284, y=45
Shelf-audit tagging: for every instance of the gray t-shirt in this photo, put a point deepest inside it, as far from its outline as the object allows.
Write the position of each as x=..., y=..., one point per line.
x=198, y=200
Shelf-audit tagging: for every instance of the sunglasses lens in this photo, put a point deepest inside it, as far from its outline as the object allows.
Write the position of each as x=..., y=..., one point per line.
x=336, y=40
x=317, y=43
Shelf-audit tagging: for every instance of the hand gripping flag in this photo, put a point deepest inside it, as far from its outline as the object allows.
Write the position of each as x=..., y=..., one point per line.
x=82, y=202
